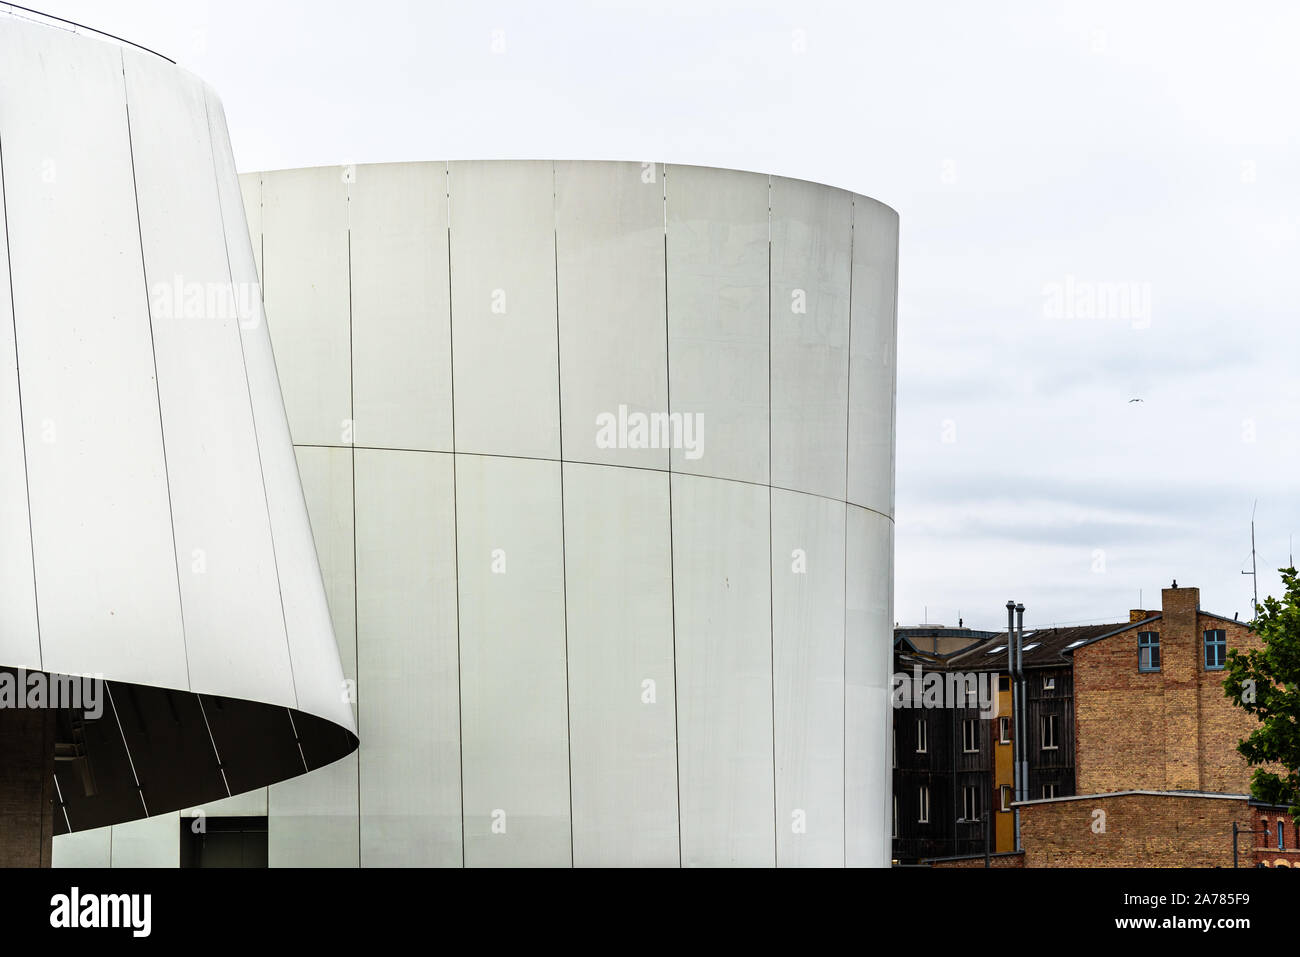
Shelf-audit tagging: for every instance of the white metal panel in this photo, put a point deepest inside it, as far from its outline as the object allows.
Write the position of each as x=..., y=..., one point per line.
x=609, y=235
x=513, y=675
x=222, y=529
x=722, y=607
x=401, y=348
x=869, y=553
x=872, y=355
x=327, y=486
x=105, y=565
x=19, y=641
x=312, y=819
x=503, y=308
x=148, y=842
x=305, y=284
x=811, y=258
x=618, y=574
x=250, y=187
x=83, y=849
x=808, y=678
x=718, y=318
x=318, y=676
x=408, y=659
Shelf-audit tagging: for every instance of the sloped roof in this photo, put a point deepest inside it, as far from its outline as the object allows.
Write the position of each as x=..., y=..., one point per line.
x=1044, y=647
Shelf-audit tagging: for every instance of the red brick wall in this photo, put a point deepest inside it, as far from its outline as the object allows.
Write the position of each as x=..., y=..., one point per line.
x=1223, y=724
x=1001, y=860
x=1167, y=730
x=1140, y=831
x=1264, y=848
x=1180, y=671
x=1119, y=718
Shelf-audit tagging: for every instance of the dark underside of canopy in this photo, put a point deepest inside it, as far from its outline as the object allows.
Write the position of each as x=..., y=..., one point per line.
x=153, y=750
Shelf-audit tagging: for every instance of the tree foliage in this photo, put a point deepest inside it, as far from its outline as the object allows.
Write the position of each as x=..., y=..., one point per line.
x=1265, y=682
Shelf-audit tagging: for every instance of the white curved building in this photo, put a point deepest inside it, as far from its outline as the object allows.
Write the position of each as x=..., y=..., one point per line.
x=599, y=465
x=153, y=530
x=572, y=646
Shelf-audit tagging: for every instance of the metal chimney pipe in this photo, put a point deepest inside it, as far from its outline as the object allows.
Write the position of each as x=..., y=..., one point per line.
x=1023, y=730
x=1015, y=735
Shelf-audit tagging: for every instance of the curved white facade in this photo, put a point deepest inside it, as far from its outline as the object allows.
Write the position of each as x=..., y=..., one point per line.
x=153, y=525
x=568, y=652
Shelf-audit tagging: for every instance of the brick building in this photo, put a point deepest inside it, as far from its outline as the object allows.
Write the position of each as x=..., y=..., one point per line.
x=1157, y=829
x=1148, y=829
x=1157, y=779
x=1150, y=709
x=952, y=767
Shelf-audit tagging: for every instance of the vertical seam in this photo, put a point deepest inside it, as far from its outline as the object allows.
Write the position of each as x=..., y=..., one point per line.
x=22, y=424
x=564, y=563
x=455, y=516
x=352, y=412
x=252, y=411
x=844, y=665
x=153, y=350
x=771, y=574
x=672, y=571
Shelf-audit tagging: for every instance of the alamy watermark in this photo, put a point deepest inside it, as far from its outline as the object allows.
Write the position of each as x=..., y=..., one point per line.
x=21, y=689
x=1075, y=298
x=651, y=430
x=953, y=689
x=179, y=299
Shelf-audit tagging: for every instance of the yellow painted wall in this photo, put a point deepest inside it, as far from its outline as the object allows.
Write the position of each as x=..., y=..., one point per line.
x=1004, y=834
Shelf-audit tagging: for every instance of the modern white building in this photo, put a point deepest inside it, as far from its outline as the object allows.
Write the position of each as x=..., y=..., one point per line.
x=598, y=459
x=153, y=531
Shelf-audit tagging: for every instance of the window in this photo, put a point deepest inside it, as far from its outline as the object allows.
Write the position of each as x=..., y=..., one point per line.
x=1148, y=651
x=1004, y=730
x=921, y=741
x=1049, y=791
x=1047, y=732
x=970, y=803
x=924, y=801
x=223, y=842
x=1281, y=834
x=1216, y=649
x=1049, y=684
x=1004, y=683
x=970, y=735
x=1004, y=793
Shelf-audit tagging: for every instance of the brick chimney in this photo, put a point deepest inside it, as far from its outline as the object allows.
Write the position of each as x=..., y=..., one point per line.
x=1179, y=654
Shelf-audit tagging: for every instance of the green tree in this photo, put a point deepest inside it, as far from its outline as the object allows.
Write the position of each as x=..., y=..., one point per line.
x=1265, y=682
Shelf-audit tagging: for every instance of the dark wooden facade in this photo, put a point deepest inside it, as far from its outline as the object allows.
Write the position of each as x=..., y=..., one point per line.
x=1051, y=772
x=946, y=768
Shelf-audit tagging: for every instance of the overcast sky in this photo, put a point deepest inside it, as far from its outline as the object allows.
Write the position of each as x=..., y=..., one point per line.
x=1040, y=155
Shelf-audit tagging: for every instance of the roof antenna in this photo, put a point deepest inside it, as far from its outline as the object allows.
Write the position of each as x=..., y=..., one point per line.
x=1254, y=580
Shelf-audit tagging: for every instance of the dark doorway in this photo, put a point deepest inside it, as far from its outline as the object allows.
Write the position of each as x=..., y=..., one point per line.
x=223, y=842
